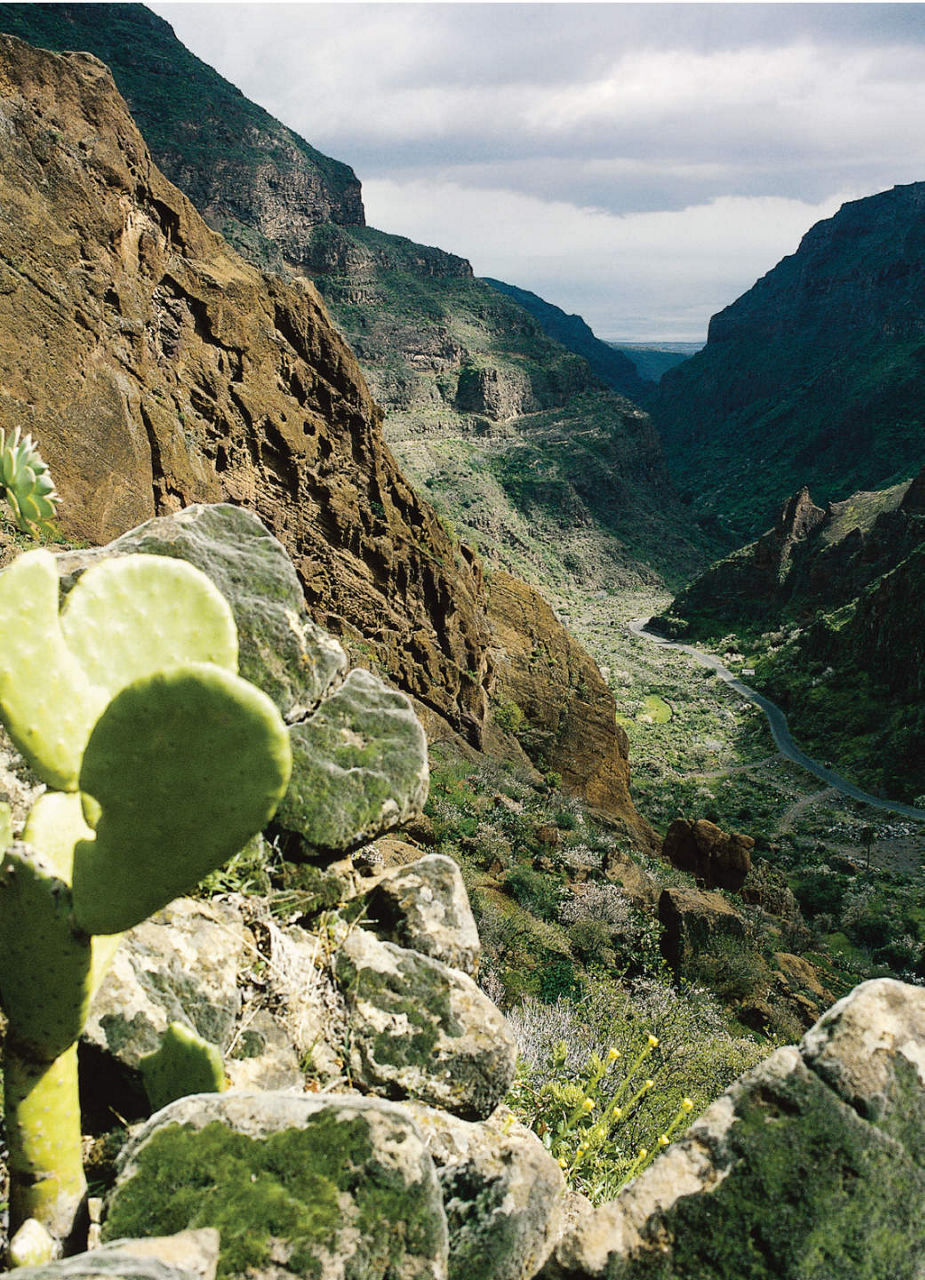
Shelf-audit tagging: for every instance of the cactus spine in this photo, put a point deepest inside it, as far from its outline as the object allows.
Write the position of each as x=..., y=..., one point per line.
x=163, y=763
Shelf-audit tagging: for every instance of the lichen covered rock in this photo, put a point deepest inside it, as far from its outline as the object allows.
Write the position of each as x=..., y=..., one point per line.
x=502, y=1192
x=782, y=1178
x=359, y=767
x=420, y=1029
x=425, y=907
x=328, y=1187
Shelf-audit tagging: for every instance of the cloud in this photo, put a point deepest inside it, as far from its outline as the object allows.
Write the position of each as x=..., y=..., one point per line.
x=639, y=275
x=670, y=152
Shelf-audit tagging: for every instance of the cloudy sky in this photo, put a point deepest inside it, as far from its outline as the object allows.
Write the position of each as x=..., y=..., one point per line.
x=640, y=164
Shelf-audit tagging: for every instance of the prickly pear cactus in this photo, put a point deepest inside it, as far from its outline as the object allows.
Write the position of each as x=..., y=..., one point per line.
x=25, y=482
x=162, y=764
x=183, y=1063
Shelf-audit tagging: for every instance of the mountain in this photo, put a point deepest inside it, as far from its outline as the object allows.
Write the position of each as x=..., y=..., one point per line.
x=653, y=360
x=815, y=376
x=832, y=605
x=548, y=473
x=607, y=363
x=156, y=368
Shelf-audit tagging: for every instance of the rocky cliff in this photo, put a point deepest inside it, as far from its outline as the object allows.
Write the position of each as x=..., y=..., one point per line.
x=264, y=188
x=547, y=472
x=814, y=376
x=178, y=373
x=175, y=373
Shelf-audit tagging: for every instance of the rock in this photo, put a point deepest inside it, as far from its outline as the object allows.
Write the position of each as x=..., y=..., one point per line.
x=570, y=714
x=425, y=907
x=261, y=1055
x=720, y=860
x=359, y=767
x=180, y=966
x=694, y=920
x=422, y=1030
x=327, y=1187
x=782, y=1178
x=187, y=1255
x=280, y=649
x=620, y=868
x=503, y=1194
x=870, y=1049
x=183, y=375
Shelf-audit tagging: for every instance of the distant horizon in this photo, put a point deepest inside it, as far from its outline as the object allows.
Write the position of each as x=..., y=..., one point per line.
x=639, y=165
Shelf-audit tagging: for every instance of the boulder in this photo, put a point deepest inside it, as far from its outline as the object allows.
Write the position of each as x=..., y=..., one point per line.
x=721, y=860
x=359, y=767
x=187, y=1255
x=810, y=1165
x=420, y=1029
x=181, y=965
x=694, y=920
x=280, y=649
x=331, y=1187
x=425, y=907
x=503, y=1194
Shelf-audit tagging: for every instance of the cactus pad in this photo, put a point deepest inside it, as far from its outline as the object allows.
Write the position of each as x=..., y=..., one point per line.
x=125, y=618
x=184, y=1063
x=6, y=827
x=186, y=765
x=25, y=482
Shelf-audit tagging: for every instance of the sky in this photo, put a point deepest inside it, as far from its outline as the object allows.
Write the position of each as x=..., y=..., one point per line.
x=638, y=164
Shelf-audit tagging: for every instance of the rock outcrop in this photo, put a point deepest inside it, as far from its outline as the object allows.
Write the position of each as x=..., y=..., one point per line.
x=569, y=724
x=811, y=1164
x=721, y=860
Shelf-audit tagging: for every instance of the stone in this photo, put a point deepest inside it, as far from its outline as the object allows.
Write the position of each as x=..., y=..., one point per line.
x=261, y=1055
x=694, y=920
x=186, y=1255
x=809, y=1165
x=620, y=868
x=425, y=907
x=870, y=1049
x=281, y=650
x=359, y=767
x=422, y=1030
x=721, y=860
x=332, y=1187
x=503, y=1193
x=181, y=965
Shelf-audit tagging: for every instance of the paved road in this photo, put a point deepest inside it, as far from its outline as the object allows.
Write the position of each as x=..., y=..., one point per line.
x=778, y=722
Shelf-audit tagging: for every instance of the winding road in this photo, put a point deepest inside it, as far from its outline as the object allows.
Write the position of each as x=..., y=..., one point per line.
x=778, y=724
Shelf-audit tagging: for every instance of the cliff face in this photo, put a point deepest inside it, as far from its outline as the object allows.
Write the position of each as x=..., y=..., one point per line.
x=550, y=474
x=156, y=368
x=258, y=183
x=816, y=375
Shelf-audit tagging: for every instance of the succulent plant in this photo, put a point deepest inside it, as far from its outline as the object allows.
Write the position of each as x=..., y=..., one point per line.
x=161, y=764
x=25, y=482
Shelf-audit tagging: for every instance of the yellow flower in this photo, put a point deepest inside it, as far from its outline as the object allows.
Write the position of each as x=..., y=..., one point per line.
x=687, y=1104
x=587, y=1105
x=617, y=1113
x=653, y=1042
x=663, y=1140
x=562, y=1162
x=642, y=1153
x=613, y=1054
x=648, y=1084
